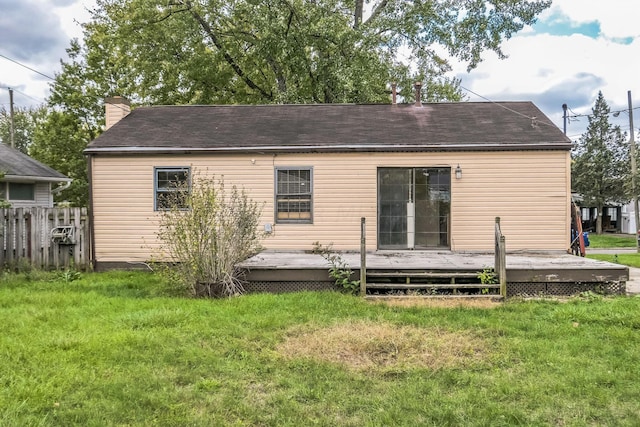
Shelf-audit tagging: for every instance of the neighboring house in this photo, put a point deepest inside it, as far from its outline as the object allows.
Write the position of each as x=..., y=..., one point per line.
x=425, y=176
x=27, y=182
x=628, y=215
x=615, y=217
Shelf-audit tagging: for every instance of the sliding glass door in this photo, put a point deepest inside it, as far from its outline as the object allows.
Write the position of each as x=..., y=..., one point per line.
x=414, y=208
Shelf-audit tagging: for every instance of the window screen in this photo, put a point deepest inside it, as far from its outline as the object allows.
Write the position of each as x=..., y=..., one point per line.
x=294, y=195
x=171, y=187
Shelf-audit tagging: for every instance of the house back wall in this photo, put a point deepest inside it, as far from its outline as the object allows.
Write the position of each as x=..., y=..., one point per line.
x=529, y=190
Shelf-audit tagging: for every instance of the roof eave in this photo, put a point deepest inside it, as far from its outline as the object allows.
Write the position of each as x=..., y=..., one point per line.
x=565, y=146
x=27, y=178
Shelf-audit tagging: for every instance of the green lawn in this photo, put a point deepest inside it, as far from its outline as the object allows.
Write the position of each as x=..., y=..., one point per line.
x=611, y=241
x=116, y=349
x=631, y=260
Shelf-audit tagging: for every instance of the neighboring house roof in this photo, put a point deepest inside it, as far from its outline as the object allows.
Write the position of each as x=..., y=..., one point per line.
x=18, y=166
x=459, y=126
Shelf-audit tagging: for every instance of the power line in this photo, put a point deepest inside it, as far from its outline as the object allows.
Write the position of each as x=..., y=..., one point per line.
x=26, y=66
x=38, y=72
x=506, y=108
x=28, y=96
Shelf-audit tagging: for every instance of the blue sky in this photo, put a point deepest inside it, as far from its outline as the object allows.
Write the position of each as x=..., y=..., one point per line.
x=577, y=48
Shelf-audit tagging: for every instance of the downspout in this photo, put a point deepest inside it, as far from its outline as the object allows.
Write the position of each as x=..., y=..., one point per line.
x=60, y=188
x=92, y=233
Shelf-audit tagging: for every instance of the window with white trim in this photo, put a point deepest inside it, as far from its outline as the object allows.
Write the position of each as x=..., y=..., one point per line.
x=294, y=195
x=171, y=186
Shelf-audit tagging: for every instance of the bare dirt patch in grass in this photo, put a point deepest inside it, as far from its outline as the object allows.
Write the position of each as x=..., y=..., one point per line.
x=439, y=302
x=366, y=345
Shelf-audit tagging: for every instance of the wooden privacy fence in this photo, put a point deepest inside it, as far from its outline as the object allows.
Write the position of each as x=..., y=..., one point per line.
x=44, y=237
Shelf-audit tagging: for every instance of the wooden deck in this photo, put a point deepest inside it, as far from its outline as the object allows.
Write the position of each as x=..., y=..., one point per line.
x=529, y=273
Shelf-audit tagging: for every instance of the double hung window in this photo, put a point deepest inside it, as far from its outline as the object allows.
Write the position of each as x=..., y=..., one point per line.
x=294, y=195
x=171, y=187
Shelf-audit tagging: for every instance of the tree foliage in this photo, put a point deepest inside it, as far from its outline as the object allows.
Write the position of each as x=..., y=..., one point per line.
x=208, y=239
x=24, y=123
x=601, y=166
x=58, y=142
x=73, y=118
x=293, y=51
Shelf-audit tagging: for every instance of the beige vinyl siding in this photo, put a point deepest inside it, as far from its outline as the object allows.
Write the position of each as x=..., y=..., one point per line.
x=529, y=190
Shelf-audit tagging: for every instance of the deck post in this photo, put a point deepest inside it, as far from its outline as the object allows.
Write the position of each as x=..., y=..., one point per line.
x=503, y=267
x=500, y=267
x=363, y=257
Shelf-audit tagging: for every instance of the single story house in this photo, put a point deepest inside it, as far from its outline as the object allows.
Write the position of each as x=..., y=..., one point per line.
x=425, y=176
x=27, y=182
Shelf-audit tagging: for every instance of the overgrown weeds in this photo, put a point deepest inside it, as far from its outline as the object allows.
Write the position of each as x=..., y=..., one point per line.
x=205, y=233
x=339, y=269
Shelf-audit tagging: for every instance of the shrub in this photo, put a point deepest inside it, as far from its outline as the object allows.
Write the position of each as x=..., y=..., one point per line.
x=206, y=240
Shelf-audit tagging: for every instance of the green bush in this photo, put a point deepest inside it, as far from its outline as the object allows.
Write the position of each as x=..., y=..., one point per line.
x=206, y=241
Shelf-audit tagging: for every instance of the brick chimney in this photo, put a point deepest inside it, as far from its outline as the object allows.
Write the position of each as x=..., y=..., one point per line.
x=418, y=87
x=115, y=108
x=394, y=93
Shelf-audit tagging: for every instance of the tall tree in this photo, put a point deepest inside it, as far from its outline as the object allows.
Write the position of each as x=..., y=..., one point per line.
x=600, y=167
x=293, y=51
x=74, y=118
x=58, y=142
x=24, y=123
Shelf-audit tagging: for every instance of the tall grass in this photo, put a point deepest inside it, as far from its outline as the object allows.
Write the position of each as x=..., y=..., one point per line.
x=116, y=349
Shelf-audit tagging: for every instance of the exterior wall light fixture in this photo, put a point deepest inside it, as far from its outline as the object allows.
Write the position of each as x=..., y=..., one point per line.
x=458, y=172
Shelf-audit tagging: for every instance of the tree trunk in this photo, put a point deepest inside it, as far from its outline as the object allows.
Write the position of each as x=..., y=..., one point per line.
x=357, y=16
x=599, y=220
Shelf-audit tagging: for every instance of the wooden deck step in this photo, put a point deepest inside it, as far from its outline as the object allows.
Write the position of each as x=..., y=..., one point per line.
x=428, y=274
x=404, y=297
x=431, y=286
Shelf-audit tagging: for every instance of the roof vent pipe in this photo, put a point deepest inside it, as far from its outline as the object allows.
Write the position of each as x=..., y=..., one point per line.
x=394, y=93
x=418, y=87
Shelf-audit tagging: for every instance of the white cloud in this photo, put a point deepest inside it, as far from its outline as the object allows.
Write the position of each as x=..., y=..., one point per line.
x=617, y=18
x=552, y=70
x=36, y=33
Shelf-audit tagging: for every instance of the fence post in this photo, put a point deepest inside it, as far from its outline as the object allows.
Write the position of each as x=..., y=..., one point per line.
x=363, y=257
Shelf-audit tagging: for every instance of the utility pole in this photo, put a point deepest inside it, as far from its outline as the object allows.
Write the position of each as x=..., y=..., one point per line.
x=564, y=117
x=632, y=153
x=12, y=127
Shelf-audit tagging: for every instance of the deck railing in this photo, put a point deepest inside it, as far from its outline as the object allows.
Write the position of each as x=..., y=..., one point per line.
x=363, y=257
x=500, y=266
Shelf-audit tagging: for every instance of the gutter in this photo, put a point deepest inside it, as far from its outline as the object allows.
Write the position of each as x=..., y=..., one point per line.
x=27, y=178
x=332, y=148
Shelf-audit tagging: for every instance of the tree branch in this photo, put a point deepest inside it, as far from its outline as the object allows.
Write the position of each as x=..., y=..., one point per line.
x=232, y=62
x=377, y=11
x=357, y=15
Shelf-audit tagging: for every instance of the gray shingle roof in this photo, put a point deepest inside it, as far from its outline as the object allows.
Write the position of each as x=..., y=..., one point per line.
x=14, y=163
x=333, y=127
